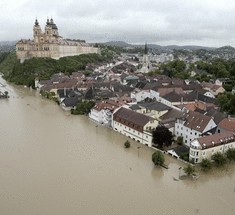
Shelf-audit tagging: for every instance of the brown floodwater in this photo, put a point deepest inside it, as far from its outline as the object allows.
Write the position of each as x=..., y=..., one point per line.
x=53, y=163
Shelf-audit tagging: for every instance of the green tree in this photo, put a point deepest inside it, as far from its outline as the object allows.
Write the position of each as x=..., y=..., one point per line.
x=180, y=140
x=158, y=158
x=189, y=170
x=230, y=154
x=219, y=159
x=162, y=136
x=127, y=144
x=83, y=107
x=206, y=164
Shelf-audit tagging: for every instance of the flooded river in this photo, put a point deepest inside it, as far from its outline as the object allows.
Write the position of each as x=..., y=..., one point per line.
x=53, y=163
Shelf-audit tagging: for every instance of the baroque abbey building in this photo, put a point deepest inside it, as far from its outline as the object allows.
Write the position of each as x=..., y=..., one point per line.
x=50, y=44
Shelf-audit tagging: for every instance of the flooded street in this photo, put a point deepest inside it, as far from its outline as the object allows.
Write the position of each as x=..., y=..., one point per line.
x=54, y=163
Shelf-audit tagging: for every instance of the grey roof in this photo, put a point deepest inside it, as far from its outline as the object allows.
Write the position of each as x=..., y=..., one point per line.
x=157, y=106
x=171, y=115
x=71, y=101
x=135, y=107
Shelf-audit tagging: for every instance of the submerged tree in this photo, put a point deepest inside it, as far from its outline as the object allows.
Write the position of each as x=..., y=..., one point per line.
x=219, y=158
x=162, y=136
x=189, y=170
x=230, y=153
x=127, y=144
x=158, y=158
x=206, y=164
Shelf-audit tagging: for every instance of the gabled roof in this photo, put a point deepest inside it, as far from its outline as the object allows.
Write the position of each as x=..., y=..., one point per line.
x=171, y=115
x=157, y=106
x=166, y=90
x=71, y=101
x=227, y=124
x=196, y=121
x=127, y=116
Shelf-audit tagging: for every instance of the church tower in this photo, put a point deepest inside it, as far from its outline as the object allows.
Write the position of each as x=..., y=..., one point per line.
x=51, y=30
x=145, y=61
x=36, y=32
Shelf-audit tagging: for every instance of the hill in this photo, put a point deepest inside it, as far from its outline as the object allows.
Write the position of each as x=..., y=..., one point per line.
x=7, y=46
x=43, y=68
x=155, y=46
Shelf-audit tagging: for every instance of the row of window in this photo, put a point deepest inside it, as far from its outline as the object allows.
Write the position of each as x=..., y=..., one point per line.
x=187, y=130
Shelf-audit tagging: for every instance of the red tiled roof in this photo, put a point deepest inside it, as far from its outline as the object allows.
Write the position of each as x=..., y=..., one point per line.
x=131, y=118
x=165, y=90
x=109, y=104
x=216, y=139
x=196, y=121
x=227, y=124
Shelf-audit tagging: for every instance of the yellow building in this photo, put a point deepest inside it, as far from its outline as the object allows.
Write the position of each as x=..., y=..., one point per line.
x=50, y=44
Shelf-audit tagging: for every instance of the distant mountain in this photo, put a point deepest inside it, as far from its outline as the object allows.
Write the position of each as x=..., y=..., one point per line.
x=225, y=49
x=155, y=46
x=118, y=43
x=6, y=46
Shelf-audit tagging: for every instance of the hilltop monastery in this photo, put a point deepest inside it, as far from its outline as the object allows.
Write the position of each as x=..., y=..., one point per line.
x=50, y=44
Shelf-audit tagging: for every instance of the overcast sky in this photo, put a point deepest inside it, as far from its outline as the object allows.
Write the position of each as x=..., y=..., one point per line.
x=164, y=22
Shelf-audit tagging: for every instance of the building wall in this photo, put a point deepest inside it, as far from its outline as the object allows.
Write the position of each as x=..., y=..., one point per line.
x=144, y=137
x=50, y=44
x=209, y=126
x=198, y=154
x=188, y=134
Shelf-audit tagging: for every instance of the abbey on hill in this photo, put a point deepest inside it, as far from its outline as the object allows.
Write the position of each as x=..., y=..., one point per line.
x=50, y=44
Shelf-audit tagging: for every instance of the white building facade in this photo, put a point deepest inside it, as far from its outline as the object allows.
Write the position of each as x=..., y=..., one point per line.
x=134, y=125
x=205, y=147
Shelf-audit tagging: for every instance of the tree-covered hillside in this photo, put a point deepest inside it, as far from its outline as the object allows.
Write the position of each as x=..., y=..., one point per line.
x=43, y=68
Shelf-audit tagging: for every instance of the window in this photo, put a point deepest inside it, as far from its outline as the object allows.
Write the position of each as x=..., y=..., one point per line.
x=185, y=141
x=146, y=136
x=195, y=133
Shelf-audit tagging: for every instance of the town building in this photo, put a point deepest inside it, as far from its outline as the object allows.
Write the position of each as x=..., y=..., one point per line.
x=205, y=147
x=134, y=125
x=227, y=124
x=192, y=125
x=50, y=44
x=102, y=112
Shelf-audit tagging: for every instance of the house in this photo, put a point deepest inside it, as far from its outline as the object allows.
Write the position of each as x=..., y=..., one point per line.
x=192, y=125
x=102, y=111
x=168, y=119
x=213, y=88
x=227, y=124
x=140, y=95
x=205, y=147
x=153, y=108
x=70, y=103
x=134, y=125
x=222, y=81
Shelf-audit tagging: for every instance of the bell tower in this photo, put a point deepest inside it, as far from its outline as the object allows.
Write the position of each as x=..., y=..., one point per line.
x=36, y=31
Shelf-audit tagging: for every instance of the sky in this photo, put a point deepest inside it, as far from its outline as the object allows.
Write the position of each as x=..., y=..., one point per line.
x=164, y=22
